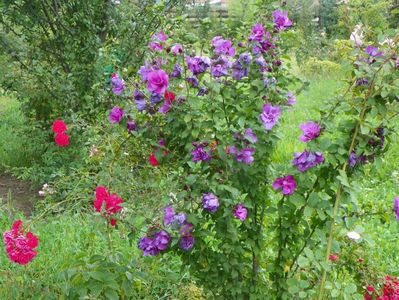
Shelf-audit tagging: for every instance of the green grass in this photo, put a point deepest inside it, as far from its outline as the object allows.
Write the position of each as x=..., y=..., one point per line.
x=12, y=144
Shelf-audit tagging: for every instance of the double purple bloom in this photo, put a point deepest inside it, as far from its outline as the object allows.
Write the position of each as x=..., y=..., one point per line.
x=199, y=153
x=118, y=85
x=140, y=100
x=280, y=19
x=306, y=160
x=210, y=202
x=287, y=184
x=157, y=81
x=270, y=116
x=311, y=130
x=198, y=65
x=115, y=115
x=152, y=246
x=240, y=212
x=223, y=47
x=373, y=51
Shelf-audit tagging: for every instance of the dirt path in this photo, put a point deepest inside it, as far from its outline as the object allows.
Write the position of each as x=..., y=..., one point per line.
x=17, y=193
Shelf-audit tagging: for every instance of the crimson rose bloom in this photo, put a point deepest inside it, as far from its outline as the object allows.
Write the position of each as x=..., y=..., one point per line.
x=59, y=126
x=62, y=139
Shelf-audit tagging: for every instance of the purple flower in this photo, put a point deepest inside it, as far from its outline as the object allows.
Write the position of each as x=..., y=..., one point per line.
x=396, y=207
x=165, y=107
x=144, y=71
x=246, y=156
x=269, y=81
x=287, y=184
x=239, y=73
x=240, y=212
x=210, y=202
x=311, y=130
x=198, y=65
x=352, y=159
x=199, y=154
x=257, y=33
x=220, y=66
x=139, y=99
x=157, y=81
x=187, y=242
x=131, y=126
x=118, y=85
x=305, y=160
x=361, y=159
x=280, y=19
x=169, y=214
x=373, y=51
x=260, y=61
x=202, y=91
x=154, y=46
x=148, y=247
x=156, y=98
x=115, y=115
x=223, y=46
x=159, y=36
x=193, y=81
x=250, y=136
x=291, y=98
x=161, y=240
x=176, y=49
x=362, y=82
x=232, y=150
x=176, y=72
x=270, y=116
x=245, y=58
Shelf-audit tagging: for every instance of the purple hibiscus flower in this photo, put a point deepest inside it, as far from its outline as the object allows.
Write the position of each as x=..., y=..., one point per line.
x=373, y=51
x=223, y=47
x=250, y=136
x=270, y=116
x=144, y=71
x=245, y=58
x=153, y=246
x=154, y=46
x=131, y=126
x=257, y=33
x=287, y=184
x=220, y=66
x=311, y=130
x=199, y=154
x=140, y=100
x=210, y=202
x=115, y=115
x=305, y=160
x=246, y=156
x=291, y=98
x=193, y=81
x=240, y=212
x=118, y=85
x=159, y=36
x=176, y=49
x=280, y=19
x=157, y=81
x=197, y=64
x=176, y=72
x=156, y=98
x=187, y=242
x=396, y=207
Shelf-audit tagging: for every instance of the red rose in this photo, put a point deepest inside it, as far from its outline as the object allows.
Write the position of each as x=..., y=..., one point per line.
x=62, y=139
x=59, y=126
x=153, y=160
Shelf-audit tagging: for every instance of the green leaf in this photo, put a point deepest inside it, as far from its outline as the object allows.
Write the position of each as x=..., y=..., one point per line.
x=111, y=294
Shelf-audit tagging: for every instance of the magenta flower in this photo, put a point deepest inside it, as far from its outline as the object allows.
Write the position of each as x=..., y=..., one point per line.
x=373, y=51
x=291, y=98
x=270, y=116
x=158, y=81
x=118, y=85
x=187, y=242
x=306, y=160
x=210, y=202
x=287, y=184
x=396, y=207
x=176, y=49
x=311, y=130
x=240, y=212
x=280, y=19
x=131, y=126
x=159, y=36
x=257, y=33
x=154, y=46
x=115, y=115
x=223, y=46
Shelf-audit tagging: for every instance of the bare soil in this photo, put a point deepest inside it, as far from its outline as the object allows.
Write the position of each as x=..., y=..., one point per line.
x=18, y=193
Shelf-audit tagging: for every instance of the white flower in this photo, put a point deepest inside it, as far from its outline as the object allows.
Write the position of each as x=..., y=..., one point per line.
x=357, y=35
x=389, y=42
x=42, y=193
x=353, y=235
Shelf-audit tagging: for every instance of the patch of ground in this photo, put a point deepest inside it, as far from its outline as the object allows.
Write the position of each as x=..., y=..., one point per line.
x=17, y=193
